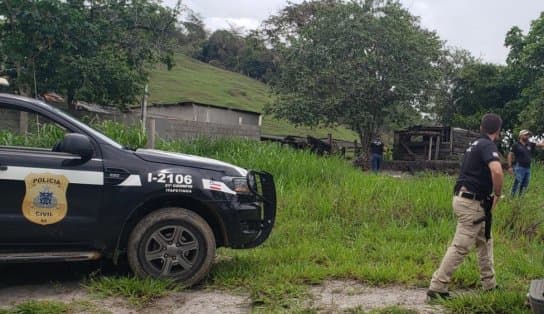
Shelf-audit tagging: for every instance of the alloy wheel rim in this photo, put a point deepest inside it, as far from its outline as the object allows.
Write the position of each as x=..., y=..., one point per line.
x=171, y=250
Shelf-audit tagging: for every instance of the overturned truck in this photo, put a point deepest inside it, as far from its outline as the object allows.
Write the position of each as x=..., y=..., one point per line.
x=429, y=148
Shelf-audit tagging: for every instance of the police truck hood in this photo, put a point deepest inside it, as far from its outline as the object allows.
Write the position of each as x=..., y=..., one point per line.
x=160, y=156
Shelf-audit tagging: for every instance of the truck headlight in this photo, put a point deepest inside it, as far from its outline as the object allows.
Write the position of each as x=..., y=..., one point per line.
x=240, y=185
x=237, y=184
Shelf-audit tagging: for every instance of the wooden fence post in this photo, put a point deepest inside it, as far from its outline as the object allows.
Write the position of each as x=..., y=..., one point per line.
x=144, y=108
x=437, y=150
x=430, y=148
x=23, y=122
x=151, y=133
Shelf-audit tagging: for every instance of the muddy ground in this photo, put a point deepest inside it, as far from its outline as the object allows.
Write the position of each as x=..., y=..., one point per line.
x=62, y=282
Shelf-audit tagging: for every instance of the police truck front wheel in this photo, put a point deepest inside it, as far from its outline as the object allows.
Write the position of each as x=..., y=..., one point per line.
x=172, y=243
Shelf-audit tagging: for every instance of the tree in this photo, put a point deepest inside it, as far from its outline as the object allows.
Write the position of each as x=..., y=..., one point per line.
x=33, y=34
x=351, y=63
x=248, y=55
x=133, y=37
x=480, y=88
x=223, y=48
x=450, y=64
x=256, y=60
x=191, y=34
x=99, y=50
x=525, y=62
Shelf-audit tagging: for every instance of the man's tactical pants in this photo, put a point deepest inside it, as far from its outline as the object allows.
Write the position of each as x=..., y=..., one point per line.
x=467, y=234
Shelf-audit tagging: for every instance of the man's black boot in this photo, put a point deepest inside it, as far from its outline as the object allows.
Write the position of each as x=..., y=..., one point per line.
x=496, y=288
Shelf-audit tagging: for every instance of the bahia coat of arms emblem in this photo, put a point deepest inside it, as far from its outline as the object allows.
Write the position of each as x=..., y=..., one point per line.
x=45, y=200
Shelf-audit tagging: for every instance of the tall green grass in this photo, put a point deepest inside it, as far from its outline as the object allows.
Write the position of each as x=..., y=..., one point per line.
x=44, y=136
x=335, y=221
x=139, y=292
x=53, y=307
x=38, y=307
x=48, y=134
x=387, y=310
x=129, y=136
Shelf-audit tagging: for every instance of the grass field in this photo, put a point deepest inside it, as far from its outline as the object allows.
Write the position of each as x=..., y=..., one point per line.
x=337, y=222
x=191, y=80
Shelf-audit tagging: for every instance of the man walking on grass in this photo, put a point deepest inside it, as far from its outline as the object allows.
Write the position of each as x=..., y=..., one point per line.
x=481, y=175
x=521, y=151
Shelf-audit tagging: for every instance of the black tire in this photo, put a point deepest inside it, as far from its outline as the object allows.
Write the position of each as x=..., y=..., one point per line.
x=172, y=243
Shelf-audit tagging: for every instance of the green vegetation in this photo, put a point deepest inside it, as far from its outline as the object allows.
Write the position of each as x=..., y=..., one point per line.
x=332, y=71
x=491, y=302
x=360, y=310
x=191, y=80
x=51, y=307
x=393, y=310
x=38, y=307
x=132, y=137
x=47, y=135
x=123, y=40
x=44, y=136
x=336, y=222
x=137, y=291
x=387, y=310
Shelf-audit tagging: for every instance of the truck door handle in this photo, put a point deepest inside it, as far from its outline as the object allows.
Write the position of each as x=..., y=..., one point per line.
x=3, y=168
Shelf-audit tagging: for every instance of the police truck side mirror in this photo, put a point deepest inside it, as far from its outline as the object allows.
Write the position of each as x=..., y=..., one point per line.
x=77, y=144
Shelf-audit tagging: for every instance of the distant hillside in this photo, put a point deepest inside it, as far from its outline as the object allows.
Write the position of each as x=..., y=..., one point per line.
x=200, y=82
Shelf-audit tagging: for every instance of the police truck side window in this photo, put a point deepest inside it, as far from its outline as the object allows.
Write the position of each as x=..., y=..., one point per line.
x=28, y=129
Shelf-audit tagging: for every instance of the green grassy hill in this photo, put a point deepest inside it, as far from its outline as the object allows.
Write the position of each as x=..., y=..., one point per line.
x=191, y=80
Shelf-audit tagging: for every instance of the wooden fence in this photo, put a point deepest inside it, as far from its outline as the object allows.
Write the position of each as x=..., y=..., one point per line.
x=320, y=146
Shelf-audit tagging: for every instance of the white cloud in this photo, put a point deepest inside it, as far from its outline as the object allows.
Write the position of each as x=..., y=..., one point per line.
x=244, y=24
x=479, y=26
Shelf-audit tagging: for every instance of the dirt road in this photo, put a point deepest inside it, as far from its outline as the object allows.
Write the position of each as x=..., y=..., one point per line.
x=62, y=282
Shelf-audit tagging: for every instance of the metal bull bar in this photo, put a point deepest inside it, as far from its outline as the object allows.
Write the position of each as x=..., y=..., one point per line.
x=261, y=184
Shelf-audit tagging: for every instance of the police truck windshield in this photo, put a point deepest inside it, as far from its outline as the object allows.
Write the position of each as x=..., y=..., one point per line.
x=85, y=127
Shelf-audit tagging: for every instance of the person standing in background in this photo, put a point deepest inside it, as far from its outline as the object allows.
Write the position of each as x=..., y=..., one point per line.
x=376, y=153
x=522, y=152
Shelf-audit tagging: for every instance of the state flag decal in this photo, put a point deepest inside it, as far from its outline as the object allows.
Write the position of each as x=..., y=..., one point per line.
x=216, y=186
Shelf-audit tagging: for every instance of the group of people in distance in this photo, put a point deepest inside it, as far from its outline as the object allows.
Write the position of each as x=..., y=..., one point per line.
x=519, y=159
x=476, y=193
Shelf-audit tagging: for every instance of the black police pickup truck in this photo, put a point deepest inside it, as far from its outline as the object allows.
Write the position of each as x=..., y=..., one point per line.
x=87, y=197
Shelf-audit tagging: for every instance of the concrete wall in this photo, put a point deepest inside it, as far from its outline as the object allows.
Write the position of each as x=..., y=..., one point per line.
x=129, y=118
x=179, y=112
x=168, y=125
x=21, y=122
x=204, y=114
x=9, y=120
x=173, y=128
x=179, y=129
x=223, y=116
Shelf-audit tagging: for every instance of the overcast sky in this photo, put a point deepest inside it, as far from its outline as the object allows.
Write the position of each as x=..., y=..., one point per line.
x=476, y=25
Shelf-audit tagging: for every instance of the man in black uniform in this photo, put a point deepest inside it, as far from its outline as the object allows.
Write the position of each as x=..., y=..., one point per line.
x=521, y=151
x=481, y=175
x=376, y=150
